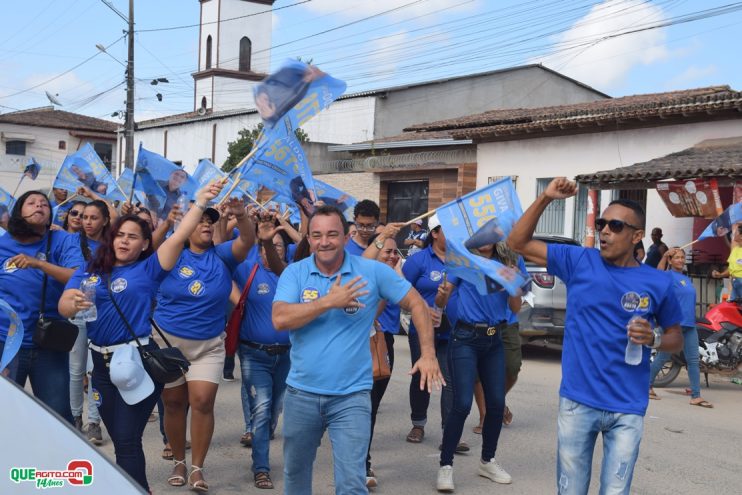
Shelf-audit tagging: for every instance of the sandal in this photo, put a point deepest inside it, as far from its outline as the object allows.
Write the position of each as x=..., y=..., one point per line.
x=703, y=403
x=167, y=452
x=507, y=416
x=653, y=395
x=263, y=481
x=198, y=485
x=246, y=439
x=177, y=479
x=477, y=430
x=416, y=434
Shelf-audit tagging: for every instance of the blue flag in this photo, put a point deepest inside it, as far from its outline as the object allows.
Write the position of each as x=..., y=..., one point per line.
x=723, y=223
x=170, y=179
x=335, y=197
x=6, y=205
x=15, y=335
x=32, y=169
x=294, y=94
x=484, y=216
x=125, y=184
x=85, y=168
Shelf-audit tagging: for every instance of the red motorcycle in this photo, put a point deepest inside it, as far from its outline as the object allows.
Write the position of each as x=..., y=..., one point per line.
x=719, y=345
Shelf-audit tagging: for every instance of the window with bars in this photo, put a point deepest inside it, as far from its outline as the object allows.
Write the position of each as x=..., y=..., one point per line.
x=552, y=220
x=15, y=148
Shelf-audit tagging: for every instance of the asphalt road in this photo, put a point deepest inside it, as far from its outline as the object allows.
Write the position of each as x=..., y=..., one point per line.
x=685, y=450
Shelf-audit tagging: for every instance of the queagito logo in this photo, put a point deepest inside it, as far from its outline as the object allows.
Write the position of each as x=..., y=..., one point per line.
x=79, y=472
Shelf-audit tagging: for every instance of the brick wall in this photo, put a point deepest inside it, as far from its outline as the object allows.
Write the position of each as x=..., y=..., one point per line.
x=360, y=185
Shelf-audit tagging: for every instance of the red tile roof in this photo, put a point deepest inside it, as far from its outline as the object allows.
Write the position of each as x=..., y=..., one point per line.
x=58, y=119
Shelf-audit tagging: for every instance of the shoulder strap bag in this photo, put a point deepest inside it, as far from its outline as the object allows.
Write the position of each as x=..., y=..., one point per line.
x=235, y=319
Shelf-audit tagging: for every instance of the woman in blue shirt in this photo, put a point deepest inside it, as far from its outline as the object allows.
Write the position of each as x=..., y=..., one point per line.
x=686, y=295
x=476, y=350
x=263, y=351
x=73, y=221
x=190, y=306
x=123, y=270
x=25, y=263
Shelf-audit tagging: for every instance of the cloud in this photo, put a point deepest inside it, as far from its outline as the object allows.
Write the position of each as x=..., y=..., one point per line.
x=365, y=8
x=690, y=75
x=605, y=63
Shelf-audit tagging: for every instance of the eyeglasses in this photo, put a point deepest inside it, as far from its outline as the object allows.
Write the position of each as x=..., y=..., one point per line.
x=366, y=228
x=616, y=226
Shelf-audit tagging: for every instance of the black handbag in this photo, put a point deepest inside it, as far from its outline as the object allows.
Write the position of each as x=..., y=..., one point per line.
x=53, y=334
x=163, y=365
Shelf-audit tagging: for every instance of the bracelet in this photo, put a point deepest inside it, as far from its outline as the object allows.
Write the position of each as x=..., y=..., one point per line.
x=199, y=206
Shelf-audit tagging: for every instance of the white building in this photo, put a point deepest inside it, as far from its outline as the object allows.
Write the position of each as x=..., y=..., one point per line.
x=48, y=135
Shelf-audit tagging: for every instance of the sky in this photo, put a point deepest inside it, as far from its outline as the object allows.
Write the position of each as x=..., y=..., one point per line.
x=620, y=47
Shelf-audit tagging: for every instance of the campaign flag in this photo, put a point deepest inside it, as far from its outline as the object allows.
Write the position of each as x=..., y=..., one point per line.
x=15, y=335
x=332, y=196
x=85, y=168
x=125, y=184
x=294, y=94
x=6, y=202
x=723, y=223
x=32, y=169
x=206, y=172
x=486, y=215
x=170, y=178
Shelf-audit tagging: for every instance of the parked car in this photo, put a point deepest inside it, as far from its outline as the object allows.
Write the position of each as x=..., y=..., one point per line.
x=542, y=322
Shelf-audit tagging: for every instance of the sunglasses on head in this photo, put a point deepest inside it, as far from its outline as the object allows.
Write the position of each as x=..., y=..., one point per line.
x=616, y=226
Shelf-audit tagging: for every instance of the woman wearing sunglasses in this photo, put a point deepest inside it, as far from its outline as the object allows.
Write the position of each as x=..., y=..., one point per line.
x=190, y=305
x=126, y=274
x=73, y=221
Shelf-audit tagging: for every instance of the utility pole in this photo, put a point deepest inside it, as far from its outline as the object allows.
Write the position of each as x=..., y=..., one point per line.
x=129, y=125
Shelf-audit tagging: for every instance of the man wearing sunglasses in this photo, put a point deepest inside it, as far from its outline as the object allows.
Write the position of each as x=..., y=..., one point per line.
x=606, y=290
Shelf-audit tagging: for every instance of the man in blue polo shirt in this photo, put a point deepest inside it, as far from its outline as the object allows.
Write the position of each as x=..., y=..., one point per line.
x=612, y=298
x=328, y=301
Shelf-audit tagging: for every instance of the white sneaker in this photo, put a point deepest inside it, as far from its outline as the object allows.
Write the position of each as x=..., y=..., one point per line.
x=445, y=479
x=494, y=471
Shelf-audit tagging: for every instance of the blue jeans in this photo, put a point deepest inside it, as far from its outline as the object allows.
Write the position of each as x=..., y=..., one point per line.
x=577, y=430
x=420, y=399
x=125, y=423
x=49, y=375
x=78, y=369
x=264, y=377
x=471, y=355
x=736, y=294
x=690, y=349
x=347, y=418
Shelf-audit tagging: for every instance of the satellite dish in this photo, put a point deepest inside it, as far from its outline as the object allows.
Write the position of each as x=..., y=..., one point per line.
x=52, y=98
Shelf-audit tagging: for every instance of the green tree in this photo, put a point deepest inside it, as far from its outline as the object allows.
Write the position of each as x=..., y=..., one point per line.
x=240, y=148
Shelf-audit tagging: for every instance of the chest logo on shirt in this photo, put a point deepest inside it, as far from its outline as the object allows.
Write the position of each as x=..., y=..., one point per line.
x=436, y=276
x=634, y=302
x=119, y=285
x=196, y=288
x=351, y=310
x=186, y=272
x=682, y=282
x=309, y=294
x=263, y=289
x=9, y=267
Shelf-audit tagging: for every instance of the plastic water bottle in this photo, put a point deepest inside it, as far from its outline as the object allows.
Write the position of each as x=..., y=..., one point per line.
x=183, y=204
x=88, y=288
x=634, y=351
x=438, y=310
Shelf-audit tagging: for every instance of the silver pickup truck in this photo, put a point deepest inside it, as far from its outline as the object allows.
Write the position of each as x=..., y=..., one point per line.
x=542, y=322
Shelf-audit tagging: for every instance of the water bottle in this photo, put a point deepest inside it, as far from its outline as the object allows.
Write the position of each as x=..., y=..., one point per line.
x=88, y=288
x=634, y=351
x=438, y=310
x=183, y=204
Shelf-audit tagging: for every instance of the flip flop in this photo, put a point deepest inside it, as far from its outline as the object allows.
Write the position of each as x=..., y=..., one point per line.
x=703, y=403
x=507, y=416
x=477, y=430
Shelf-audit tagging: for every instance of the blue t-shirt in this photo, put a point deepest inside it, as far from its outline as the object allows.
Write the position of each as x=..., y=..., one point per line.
x=602, y=298
x=512, y=317
x=21, y=288
x=134, y=286
x=193, y=299
x=257, y=322
x=686, y=294
x=472, y=307
x=354, y=248
x=389, y=318
x=331, y=354
x=424, y=270
x=75, y=240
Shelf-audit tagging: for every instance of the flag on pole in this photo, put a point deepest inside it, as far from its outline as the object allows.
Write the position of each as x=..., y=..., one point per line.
x=85, y=168
x=6, y=204
x=723, y=223
x=32, y=169
x=482, y=217
x=14, y=339
x=171, y=179
x=123, y=191
x=330, y=195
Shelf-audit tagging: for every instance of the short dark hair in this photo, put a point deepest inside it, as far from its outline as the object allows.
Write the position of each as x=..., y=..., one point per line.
x=633, y=206
x=329, y=210
x=366, y=208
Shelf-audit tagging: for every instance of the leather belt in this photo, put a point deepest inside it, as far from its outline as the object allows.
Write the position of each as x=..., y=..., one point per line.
x=108, y=349
x=482, y=329
x=272, y=350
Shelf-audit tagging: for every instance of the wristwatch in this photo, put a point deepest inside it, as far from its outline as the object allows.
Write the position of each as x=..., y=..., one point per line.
x=379, y=243
x=657, y=339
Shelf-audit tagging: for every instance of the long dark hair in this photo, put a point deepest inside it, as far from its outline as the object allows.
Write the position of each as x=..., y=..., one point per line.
x=105, y=257
x=66, y=223
x=18, y=227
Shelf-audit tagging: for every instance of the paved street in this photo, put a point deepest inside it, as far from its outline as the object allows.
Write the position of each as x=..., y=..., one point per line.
x=686, y=450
